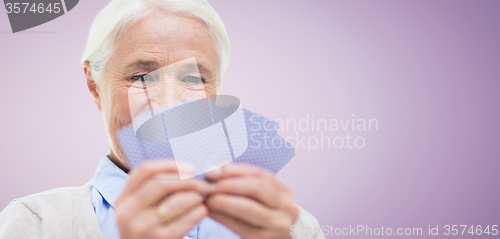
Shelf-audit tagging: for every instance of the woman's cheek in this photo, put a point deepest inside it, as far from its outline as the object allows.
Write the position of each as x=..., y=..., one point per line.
x=135, y=105
x=120, y=107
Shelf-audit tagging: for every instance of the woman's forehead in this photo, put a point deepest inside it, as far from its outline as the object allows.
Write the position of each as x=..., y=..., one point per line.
x=165, y=38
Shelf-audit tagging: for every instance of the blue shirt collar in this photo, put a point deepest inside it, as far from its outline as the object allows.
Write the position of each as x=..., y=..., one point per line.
x=109, y=180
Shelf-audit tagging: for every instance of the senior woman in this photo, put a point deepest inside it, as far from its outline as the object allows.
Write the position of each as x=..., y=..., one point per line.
x=131, y=38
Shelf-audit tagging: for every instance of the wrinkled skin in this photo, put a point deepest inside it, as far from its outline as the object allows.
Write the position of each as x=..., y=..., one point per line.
x=247, y=199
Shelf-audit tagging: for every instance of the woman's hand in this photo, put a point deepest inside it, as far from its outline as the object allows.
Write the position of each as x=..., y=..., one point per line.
x=155, y=203
x=251, y=202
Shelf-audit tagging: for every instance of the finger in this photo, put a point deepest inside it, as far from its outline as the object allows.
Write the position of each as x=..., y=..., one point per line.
x=257, y=188
x=140, y=226
x=153, y=191
x=182, y=225
x=146, y=170
x=179, y=203
x=241, y=208
x=238, y=170
x=243, y=229
x=143, y=222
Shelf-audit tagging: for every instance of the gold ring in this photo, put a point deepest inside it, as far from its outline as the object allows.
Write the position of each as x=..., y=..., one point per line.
x=162, y=212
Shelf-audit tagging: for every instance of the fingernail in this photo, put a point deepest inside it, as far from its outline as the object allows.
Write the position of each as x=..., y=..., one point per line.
x=215, y=173
x=213, y=187
x=187, y=167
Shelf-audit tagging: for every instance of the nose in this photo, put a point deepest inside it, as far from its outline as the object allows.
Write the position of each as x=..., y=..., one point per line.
x=172, y=89
x=166, y=87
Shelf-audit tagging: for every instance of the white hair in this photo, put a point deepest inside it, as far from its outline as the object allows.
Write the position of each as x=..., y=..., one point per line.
x=118, y=15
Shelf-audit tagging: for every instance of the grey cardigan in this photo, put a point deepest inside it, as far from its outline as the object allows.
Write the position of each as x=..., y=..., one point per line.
x=68, y=213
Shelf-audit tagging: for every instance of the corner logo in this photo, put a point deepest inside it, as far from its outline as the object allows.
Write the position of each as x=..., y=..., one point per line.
x=25, y=14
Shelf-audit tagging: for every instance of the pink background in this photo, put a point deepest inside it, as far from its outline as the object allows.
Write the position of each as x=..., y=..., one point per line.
x=427, y=70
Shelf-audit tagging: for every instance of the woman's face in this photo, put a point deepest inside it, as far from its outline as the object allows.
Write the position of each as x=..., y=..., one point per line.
x=180, y=59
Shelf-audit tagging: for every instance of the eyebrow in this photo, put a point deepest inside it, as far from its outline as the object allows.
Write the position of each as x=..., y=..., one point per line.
x=153, y=65
x=142, y=63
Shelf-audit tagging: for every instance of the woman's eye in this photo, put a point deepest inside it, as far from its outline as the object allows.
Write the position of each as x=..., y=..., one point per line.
x=193, y=80
x=145, y=78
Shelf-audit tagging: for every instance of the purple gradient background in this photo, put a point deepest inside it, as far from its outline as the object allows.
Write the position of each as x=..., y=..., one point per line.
x=427, y=70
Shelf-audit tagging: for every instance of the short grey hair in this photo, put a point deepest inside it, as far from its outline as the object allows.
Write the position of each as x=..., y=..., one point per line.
x=118, y=15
